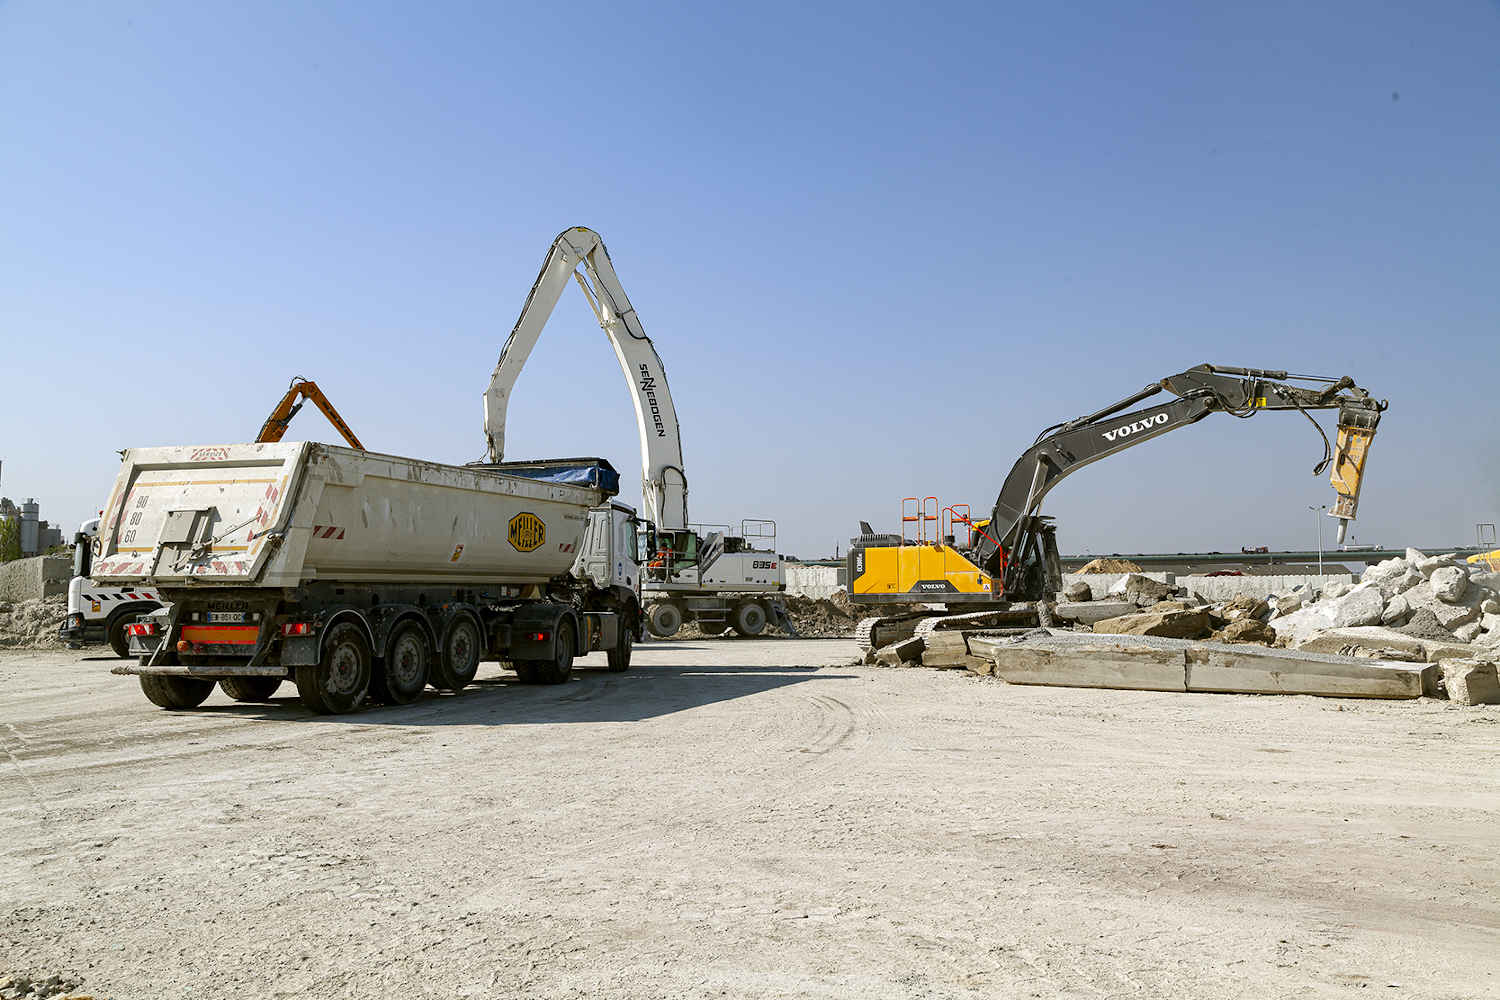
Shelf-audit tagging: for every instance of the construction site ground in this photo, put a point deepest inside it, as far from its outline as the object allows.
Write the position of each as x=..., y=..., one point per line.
x=746, y=818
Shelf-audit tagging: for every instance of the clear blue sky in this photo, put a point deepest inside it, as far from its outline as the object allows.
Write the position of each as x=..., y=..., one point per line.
x=878, y=248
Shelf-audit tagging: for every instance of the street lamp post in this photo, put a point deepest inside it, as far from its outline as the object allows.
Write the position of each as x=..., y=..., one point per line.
x=1318, y=513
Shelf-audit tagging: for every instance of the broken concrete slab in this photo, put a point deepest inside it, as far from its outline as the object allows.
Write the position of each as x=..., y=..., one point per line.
x=1471, y=682
x=1151, y=663
x=901, y=653
x=1377, y=637
x=1091, y=612
x=1167, y=624
x=1103, y=662
x=1246, y=630
x=945, y=649
x=1225, y=669
x=1078, y=591
x=1449, y=583
x=1361, y=606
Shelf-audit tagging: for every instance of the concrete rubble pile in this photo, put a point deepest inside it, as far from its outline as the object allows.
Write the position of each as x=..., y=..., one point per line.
x=1410, y=626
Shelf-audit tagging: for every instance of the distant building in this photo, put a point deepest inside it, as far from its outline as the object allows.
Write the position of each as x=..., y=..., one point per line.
x=37, y=536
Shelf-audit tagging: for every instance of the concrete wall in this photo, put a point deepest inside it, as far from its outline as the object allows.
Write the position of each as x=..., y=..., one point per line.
x=29, y=579
x=1216, y=588
x=1222, y=588
x=815, y=581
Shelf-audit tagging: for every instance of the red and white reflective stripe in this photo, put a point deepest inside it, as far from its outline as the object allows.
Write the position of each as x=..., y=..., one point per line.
x=328, y=531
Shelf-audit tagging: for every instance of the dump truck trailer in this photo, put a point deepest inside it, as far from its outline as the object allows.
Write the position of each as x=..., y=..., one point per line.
x=364, y=576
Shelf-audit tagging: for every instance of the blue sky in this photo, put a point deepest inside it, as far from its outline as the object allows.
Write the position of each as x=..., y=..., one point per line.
x=878, y=247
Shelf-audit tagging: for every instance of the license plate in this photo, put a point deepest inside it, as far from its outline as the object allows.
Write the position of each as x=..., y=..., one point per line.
x=227, y=617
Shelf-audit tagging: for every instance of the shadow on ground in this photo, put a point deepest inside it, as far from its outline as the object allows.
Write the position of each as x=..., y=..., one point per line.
x=591, y=696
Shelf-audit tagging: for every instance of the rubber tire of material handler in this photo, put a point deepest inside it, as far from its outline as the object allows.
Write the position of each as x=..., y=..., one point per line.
x=712, y=628
x=663, y=620
x=749, y=619
x=619, y=657
x=458, y=656
x=556, y=670
x=341, y=678
x=166, y=691
x=249, y=688
x=402, y=677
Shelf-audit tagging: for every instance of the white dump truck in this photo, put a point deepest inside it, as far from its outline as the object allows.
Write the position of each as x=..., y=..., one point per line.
x=361, y=575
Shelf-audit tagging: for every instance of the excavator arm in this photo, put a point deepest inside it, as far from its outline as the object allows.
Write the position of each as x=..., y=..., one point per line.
x=1065, y=448
x=297, y=393
x=663, y=482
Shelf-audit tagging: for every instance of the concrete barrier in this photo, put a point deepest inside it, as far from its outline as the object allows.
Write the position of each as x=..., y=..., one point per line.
x=37, y=577
x=815, y=581
x=1223, y=588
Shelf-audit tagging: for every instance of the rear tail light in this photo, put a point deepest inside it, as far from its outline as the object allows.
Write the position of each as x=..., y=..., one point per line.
x=297, y=628
x=143, y=628
x=539, y=636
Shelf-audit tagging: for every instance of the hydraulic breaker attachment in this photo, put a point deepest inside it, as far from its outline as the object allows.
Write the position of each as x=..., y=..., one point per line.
x=1356, y=431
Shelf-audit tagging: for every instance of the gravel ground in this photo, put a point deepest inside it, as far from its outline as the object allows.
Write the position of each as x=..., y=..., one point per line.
x=720, y=821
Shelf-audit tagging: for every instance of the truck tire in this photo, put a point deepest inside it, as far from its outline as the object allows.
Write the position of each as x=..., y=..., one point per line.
x=175, y=693
x=556, y=670
x=619, y=657
x=114, y=626
x=457, y=661
x=749, y=619
x=340, y=681
x=712, y=628
x=249, y=688
x=402, y=678
x=663, y=620
x=114, y=634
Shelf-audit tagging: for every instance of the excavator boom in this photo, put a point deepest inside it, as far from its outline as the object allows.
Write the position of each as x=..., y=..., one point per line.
x=663, y=482
x=297, y=393
x=1242, y=392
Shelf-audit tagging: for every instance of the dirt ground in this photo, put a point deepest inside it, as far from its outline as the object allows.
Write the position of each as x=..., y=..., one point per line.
x=721, y=821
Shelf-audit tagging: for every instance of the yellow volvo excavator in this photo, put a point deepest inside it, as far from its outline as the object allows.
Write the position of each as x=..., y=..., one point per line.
x=996, y=568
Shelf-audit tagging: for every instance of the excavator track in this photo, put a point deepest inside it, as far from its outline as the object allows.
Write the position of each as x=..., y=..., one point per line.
x=882, y=630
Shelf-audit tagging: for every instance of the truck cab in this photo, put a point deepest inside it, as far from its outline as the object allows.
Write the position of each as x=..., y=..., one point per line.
x=96, y=612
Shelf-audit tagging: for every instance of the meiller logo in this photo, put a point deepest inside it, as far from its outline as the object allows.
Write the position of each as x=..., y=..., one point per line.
x=648, y=386
x=1135, y=428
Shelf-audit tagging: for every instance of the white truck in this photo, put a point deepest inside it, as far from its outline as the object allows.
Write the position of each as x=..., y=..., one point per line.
x=363, y=575
x=98, y=613
x=718, y=579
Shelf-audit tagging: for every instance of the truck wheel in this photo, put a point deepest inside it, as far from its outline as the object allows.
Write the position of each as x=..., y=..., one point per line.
x=118, y=641
x=558, y=669
x=458, y=660
x=340, y=682
x=167, y=691
x=619, y=657
x=712, y=628
x=663, y=620
x=525, y=671
x=249, y=688
x=403, y=677
x=749, y=619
